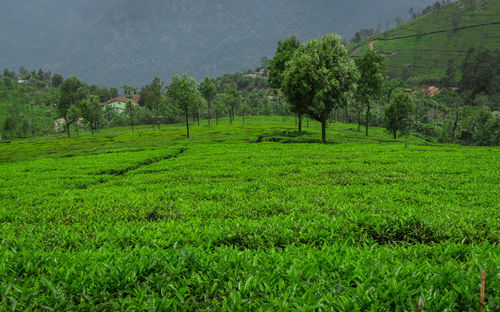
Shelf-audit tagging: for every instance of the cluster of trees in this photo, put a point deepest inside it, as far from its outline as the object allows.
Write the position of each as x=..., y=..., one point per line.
x=363, y=34
x=31, y=101
x=319, y=80
x=184, y=100
x=436, y=6
x=316, y=80
x=39, y=79
x=240, y=94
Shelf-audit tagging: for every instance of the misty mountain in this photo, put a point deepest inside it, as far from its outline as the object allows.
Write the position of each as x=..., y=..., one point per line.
x=129, y=41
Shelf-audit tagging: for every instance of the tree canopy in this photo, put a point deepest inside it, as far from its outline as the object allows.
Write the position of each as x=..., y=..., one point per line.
x=322, y=75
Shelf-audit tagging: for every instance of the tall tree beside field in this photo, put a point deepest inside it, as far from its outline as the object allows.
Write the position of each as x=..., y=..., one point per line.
x=72, y=91
x=182, y=92
x=277, y=67
x=231, y=99
x=219, y=107
x=370, y=83
x=9, y=124
x=91, y=112
x=398, y=114
x=154, y=100
x=208, y=89
x=130, y=110
x=454, y=103
x=322, y=75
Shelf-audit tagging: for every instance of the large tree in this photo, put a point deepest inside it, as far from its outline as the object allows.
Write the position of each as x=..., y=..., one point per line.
x=370, y=83
x=277, y=66
x=72, y=91
x=183, y=92
x=208, y=89
x=322, y=75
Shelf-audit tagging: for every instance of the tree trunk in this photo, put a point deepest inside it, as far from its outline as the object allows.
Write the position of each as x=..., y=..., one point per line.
x=394, y=132
x=359, y=120
x=216, y=118
x=300, y=123
x=209, y=113
x=132, y=117
x=323, y=132
x=187, y=122
x=67, y=129
x=198, y=116
x=367, y=118
x=455, y=124
x=346, y=114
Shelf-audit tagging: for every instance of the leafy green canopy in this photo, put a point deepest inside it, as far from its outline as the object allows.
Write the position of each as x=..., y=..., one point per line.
x=183, y=93
x=277, y=65
x=320, y=77
x=397, y=114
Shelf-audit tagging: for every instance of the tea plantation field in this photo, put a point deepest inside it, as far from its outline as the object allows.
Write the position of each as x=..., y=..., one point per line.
x=149, y=221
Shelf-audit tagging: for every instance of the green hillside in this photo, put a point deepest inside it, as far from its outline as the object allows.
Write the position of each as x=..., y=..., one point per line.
x=426, y=45
x=148, y=221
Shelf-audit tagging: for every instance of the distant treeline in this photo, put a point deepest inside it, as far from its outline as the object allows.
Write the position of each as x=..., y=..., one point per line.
x=461, y=109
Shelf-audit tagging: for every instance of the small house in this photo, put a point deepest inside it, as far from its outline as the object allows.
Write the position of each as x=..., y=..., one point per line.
x=117, y=103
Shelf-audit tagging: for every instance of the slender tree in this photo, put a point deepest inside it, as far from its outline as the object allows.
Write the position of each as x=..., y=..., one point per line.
x=130, y=109
x=183, y=92
x=154, y=100
x=370, y=83
x=231, y=99
x=208, y=89
x=91, y=112
x=72, y=91
x=277, y=66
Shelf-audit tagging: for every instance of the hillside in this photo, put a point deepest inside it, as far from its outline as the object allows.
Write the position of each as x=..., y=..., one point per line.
x=128, y=41
x=426, y=46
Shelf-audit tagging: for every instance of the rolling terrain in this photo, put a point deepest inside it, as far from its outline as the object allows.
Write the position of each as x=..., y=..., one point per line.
x=151, y=221
x=428, y=44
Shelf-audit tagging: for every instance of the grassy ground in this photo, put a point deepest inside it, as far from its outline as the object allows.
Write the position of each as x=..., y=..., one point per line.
x=150, y=221
x=429, y=54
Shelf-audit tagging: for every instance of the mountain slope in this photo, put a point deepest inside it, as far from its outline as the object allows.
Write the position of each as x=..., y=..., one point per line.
x=117, y=41
x=428, y=44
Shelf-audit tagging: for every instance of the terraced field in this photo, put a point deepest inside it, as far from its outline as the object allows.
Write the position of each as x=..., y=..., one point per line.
x=148, y=221
x=427, y=44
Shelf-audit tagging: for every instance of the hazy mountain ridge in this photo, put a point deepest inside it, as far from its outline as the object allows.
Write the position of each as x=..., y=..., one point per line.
x=119, y=41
